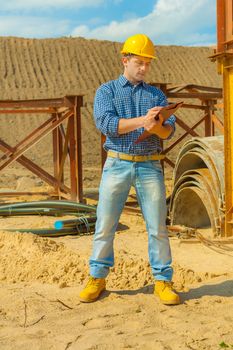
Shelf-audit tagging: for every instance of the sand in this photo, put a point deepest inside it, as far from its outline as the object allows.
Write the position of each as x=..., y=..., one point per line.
x=41, y=278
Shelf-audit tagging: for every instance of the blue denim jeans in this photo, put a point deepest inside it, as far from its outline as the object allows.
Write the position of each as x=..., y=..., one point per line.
x=117, y=178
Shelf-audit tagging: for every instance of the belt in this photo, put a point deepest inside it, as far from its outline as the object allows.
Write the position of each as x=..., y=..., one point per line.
x=135, y=158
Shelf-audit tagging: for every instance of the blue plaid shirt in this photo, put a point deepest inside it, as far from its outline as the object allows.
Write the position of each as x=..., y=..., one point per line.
x=118, y=99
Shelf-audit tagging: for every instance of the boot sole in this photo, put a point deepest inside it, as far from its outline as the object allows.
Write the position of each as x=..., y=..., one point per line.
x=91, y=300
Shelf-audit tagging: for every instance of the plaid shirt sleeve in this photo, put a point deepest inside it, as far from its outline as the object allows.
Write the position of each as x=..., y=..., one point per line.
x=105, y=115
x=171, y=121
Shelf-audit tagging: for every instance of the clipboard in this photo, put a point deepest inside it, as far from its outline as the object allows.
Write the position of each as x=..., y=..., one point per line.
x=166, y=112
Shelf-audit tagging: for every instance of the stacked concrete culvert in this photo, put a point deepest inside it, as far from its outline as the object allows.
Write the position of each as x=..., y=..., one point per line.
x=197, y=199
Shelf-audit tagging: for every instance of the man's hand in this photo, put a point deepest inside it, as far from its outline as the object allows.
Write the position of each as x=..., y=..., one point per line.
x=153, y=120
x=153, y=123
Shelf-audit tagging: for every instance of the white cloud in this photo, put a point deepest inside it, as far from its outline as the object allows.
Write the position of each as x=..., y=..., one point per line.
x=27, y=5
x=32, y=26
x=180, y=22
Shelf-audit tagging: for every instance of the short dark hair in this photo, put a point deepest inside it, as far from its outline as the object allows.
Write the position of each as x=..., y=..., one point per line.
x=127, y=54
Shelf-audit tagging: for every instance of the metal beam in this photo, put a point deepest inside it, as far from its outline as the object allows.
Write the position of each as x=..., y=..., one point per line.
x=62, y=109
x=31, y=142
x=200, y=95
x=34, y=168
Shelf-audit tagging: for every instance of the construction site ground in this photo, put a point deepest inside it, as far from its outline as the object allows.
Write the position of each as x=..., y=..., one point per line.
x=41, y=279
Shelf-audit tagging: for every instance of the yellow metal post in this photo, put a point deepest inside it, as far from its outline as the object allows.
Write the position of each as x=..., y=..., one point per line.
x=224, y=56
x=228, y=143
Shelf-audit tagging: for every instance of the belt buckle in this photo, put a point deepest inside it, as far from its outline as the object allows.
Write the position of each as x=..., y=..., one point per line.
x=137, y=158
x=134, y=158
x=140, y=158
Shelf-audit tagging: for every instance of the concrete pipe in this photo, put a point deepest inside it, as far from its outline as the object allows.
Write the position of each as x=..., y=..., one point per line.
x=197, y=199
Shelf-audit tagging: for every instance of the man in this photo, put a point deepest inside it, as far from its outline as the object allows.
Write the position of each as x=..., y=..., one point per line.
x=123, y=109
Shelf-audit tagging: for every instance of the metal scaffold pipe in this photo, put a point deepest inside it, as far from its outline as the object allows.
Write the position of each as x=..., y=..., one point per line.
x=198, y=195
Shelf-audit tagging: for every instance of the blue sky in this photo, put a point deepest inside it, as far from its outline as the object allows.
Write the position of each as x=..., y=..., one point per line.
x=166, y=22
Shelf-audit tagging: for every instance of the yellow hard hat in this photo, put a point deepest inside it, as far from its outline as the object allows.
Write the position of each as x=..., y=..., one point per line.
x=139, y=45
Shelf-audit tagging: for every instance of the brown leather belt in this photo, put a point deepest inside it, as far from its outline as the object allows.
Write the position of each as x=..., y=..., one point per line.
x=135, y=158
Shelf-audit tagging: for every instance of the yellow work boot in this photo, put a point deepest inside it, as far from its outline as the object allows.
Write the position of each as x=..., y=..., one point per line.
x=163, y=289
x=92, y=290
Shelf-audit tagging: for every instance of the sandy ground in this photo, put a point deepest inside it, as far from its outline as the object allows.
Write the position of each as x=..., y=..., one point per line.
x=41, y=278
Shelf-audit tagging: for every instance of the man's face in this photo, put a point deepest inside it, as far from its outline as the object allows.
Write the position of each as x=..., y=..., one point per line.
x=136, y=67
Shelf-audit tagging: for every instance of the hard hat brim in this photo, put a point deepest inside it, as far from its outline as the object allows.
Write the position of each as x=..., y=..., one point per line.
x=137, y=54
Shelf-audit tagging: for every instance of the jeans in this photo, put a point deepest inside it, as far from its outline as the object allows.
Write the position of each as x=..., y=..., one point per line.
x=117, y=178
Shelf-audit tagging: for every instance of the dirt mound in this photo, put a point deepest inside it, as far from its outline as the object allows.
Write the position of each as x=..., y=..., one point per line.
x=30, y=258
x=46, y=68
x=27, y=258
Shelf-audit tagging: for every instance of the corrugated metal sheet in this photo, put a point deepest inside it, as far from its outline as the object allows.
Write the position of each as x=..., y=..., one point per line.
x=198, y=195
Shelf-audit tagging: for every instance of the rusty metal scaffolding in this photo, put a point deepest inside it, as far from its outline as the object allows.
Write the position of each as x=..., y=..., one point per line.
x=206, y=100
x=66, y=141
